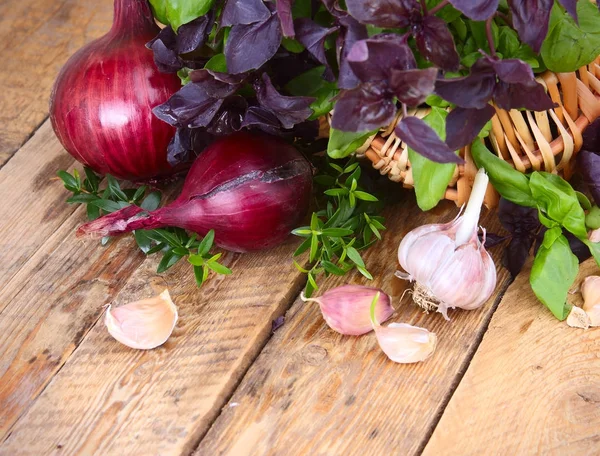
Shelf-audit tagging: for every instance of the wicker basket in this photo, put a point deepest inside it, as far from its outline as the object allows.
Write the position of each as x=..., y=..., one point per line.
x=527, y=140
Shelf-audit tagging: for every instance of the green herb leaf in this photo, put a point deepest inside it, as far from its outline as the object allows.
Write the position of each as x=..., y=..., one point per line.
x=558, y=200
x=69, y=181
x=206, y=243
x=199, y=275
x=568, y=47
x=151, y=202
x=332, y=268
x=553, y=273
x=355, y=256
x=107, y=205
x=82, y=198
x=143, y=241
x=314, y=247
x=337, y=232
x=115, y=189
x=217, y=63
x=583, y=201
x=303, y=247
x=92, y=181
x=168, y=261
x=343, y=143
x=179, y=12
x=510, y=183
x=431, y=178
x=218, y=268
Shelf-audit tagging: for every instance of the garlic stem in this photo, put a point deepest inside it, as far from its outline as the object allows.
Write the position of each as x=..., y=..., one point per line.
x=470, y=218
x=305, y=299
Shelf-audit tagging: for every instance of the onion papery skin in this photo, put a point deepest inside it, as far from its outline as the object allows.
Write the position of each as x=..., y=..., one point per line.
x=252, y=189
x=101, y=104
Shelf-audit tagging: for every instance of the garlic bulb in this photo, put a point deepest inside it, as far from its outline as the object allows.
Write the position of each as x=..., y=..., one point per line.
x=590, y=290
x=578, y=318
x=447, y=262
x=144, y=324
x=403, y=343
x=346, y=308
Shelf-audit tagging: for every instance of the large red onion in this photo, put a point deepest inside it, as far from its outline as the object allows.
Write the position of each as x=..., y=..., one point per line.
x=101, y=105
x=251, y=189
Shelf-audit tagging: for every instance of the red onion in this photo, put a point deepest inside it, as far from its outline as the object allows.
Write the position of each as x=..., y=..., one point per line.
x=251, y=189
x=101, y=105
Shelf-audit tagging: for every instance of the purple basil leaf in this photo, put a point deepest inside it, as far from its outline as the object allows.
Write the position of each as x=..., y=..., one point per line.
x=244, y=12
x=351, y=32
x=436, y=44
x=591, y=137
x=364, y=108
x=374, y=58
x=516, y=254
x=581, y=251
x=425, y=141
x=288, y=110
x=385, y=13
x=211, y=85
x=571, y=7
x=412, y=87
x=518, y=220
x=190, y=107
x=312, y=36
x=192, y=35
x=284, y=11
x=473, y=91
x=492, y=239
x=163, y=47
x=250, y=46
x=589, y=167
x=262, y=119
x=530, y=19
x=180, y=148
x=513, y=71
x=230, y=117
x=478, y=10
x=463, y=125
x=529, y=96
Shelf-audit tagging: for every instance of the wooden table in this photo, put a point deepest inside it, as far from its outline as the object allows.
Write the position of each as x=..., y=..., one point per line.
x=505, y=379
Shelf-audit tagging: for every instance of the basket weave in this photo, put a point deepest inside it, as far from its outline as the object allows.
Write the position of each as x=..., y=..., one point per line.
x=547, y=141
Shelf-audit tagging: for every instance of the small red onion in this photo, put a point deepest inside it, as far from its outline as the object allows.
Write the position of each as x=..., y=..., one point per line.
x=101, y=105
x=251, y=189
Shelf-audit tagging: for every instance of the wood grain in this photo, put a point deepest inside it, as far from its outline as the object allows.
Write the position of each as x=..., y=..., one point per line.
x=49, y=305
x=313, y=391
x=33, y=201
x=111, y=400
x=533, y=387
x=37, y=38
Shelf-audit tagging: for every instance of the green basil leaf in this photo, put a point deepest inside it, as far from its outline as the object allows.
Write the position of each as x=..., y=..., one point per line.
x=292, y=45
x=558, y=200
x=217, y=63
x=448, y=13
x=431, y=178
x=594, y=249
x=159, y=9
x=343, y=143
x=508, y=42
x=179, y=12
x=592, y=218
x=553, y=273
x=567, y=46
x=510, y=183
x=584, y=201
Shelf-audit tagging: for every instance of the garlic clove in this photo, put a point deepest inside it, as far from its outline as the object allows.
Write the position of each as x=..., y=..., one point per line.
x=403, y=343
x=144, y=324
x=594, y=236
x=345, y=309
x=578, y=318
x=590, y=290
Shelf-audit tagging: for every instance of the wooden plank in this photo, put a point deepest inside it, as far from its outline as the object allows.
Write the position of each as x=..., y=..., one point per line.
x=313, y=391
x=109, y=399
x=33, y=202
x=533, y=387
x=49, y=305
x=37, y=38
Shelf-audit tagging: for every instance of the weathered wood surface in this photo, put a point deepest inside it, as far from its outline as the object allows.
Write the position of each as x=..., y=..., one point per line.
x=32, y=205
x=37, y=38
x=109, y=399
x=533, y=387
x=313, y=391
